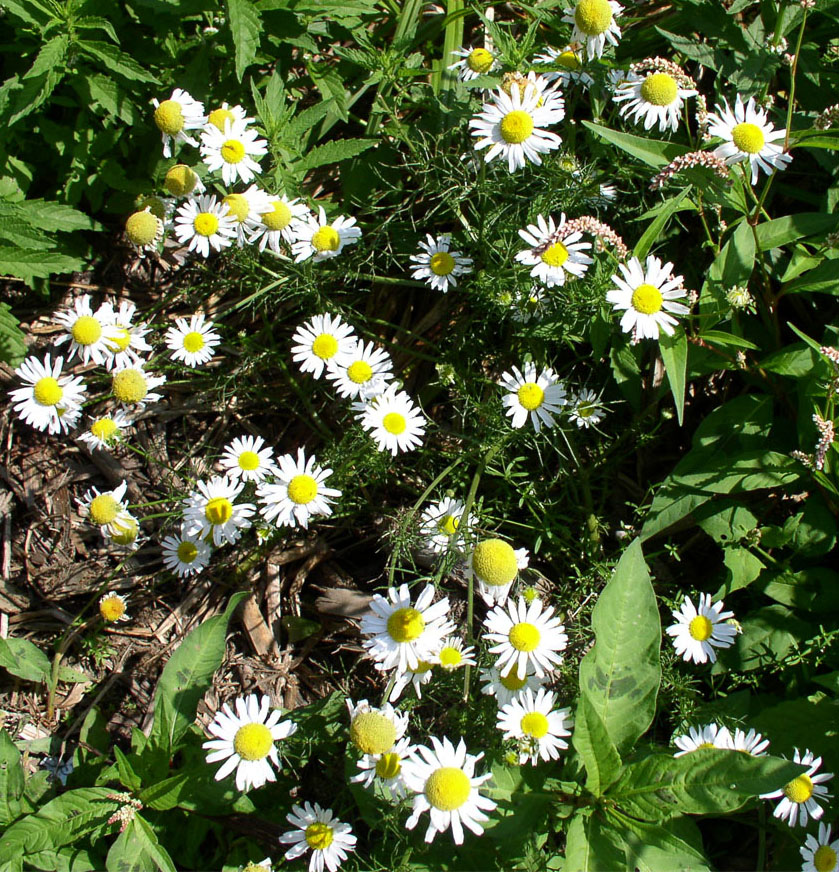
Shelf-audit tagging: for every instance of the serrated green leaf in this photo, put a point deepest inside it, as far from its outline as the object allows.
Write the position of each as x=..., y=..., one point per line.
x=11, y=780
x=17, y=231
x=25, y=660
x=31, y=95
x=330, y=85
x=94, y=22
x=52, y=54
x=332, y=152
x=116, y=61
x=245, y=29
x=302, y=123
x=137, y=849
x=674, y=353
x=654, y=152
x=27, y=264
x=52, y=216
x=592, y=742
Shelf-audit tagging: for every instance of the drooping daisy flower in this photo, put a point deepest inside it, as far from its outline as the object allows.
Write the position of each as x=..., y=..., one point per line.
x=445, y=785
x=533, y=395
x=525, y=633
x=474, y=62
x=646, y=295
x=319, y=831
x=106, y=430
x=594, y=24
x=210, y=510
x=419, y=676
x=405, y=633
x=181, y=181
x=364, y=373
x=185, y=555
x=820, y=854
x=245, y=740
x=552, y=254
x=698, y=631
x=386, y=768
x=204, y=223
x=453, y=654
x=538, y=727
x=586, y=410
x=299, y=493
x=246, y=209
x=507, y=686
x=112, y=608
x=277, y=222
x=748, y=135
x=496, y=564
x=232, y=151
x=126, y=341
x=570, y=61
x=709, y=736
x=175, y=116
x=49, y=401
x=144, y=230
x=193, y=341
x=235, y=115
x=87, y=333
x=246, y=458
x=127, y=537
x=548, y=98
x=440, y=525
x=319, y=239
x=751, y=743
x=322, y=340
x=107, y=510
x=655, y=96
x=135, y=388
x=375, y=730
x=802, y=795
x=393, y=420
x=438, y=265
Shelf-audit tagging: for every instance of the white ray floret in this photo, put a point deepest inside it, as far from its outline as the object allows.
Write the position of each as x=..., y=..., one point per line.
x=232, y=151
x=319, y=831
x=193, y=342
x=106, y=430
x=278, y=222
x=174, y=116
x=533, y=395
x=570, y=61
x=365, y=373
x=657, y=97
x=439, y=265
x=474, y=62
x=525, y=633
x=87, y=332
x=802, y=796
x=206, y=224
x=585, y=409
x=709, y=736
x=393, y=420
x=321, y=239
x=386, y=768
x=49, y=400
x=126, y=342
x=751, y=743
x=454, y=654
x=108, y=511
x=594, y=24
x=135, y=388
x=553, y=253
x=298, y=494
x=440, y=525
x=539, y=728
x=820, y=854
x=248, y=458
x=496, y=564
x=700, y=630
x=246, y=210
x=185, y=555
x=323, y=340
x=506, y=686
x=418, y=677
x=210, y=510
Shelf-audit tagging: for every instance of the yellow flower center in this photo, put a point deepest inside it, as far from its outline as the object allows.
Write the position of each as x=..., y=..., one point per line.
x=125, y=532
x=494, y=562
x=187, y=551
x=448, y=525
x=450, y=657
x=86, y=330
x=218, y=510
x=205, y=224
x=141, y=227
x=180, y=181
x=302, y=489
x=442, y=263
x=326, y=239
x=569, y=60
x=129, y=386
x=824, y=859
x=47, y=391
x=405, y=625
x=193, y=341
x=232, y=151
x=799, y=789
x=748, y=137
x=119, y=340
x=248, y=460
x=112, y=608
x=325, y=346
x=534, y=724
x=647, y=299
x=238, y=206
x=388, y=765
x=700, y=628
x=360, y=372
x=253, y=741
x=593, y=17
x=372, y=732
x=556, y=255
x=585, y=410
x=512, y=681
x=525, y=637
x=154, y=205
x=422, y=667
x=659, y=89
x=219, y=117
x=516, y=126
x=169, y=117
x=531, y=396
x=278, y=218
x=103, y=509
x=705, y=745
x=104, y=429
x=319, y=836
x=479, y=60
x=447, y=788
x=394, y=423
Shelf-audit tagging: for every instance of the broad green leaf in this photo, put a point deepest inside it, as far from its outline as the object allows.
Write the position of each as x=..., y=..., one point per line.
x=653, y=848
x=27, y=264
x=303, y=122
x=620, y=675
x=718, y=337
x=651, y=234
x=824, y=279
x=15, y=230
x=594, y=746
x=52, y=216
x=116, y=61
x=127, y=776
x=11, y=780
x=12, y=338
x=137, y=849
x=769, y=633
x=50, y=56
x=165, y=794
x=94, y=22
x=332, y=152
x=795, y=360
x=732, y=266
x=592, y=846
x=25, y=660
x=654, y=152
x=245, y=28
x=674, y=353
x=780, y=231
x=743, y=568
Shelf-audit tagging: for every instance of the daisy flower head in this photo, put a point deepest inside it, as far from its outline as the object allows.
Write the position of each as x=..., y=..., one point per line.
x=185, y=555
x=320, y=239
x=439, y=266
x=748, y=135
x=245, y=740
x=570, y=61
x=647, y=295
x=49, y=400
x=386, y=768
x=144, y=230
x=392, y=419
x=525, y=633
x=538, y=727
x=86, y=332
x=657, y=97
x=248, y=458
x=246, y=209
x=206, y=224
x=473, y=63
x=440, y=525
x=193, y=341
x=527, y=306
x=175, y=116
x=126, y=341
x=375, y=730
x=278, y=221
x=134, y=387
x=443, y=781
x=420, y=675
x=496, y=564
x=210, y=510
x=594, y=24
x=321, y=341
x=709, y=736
x=751, y=743
x=232, y=151
x=532, y=395
x=226, y=114
x=453, y=654
x=548, y=98
x=108, y=511
x=586, y=410
x=181, y=181
x=262, y=865
x=365, y=372
x=553, y=253
x=699, y=630
x=507, y=686
x=112, y=608
x=106, y=430
x=511, y=126
x=299, y=492
x=403, y=633
x=802, y=795
x=820, y=854
x=319, y=831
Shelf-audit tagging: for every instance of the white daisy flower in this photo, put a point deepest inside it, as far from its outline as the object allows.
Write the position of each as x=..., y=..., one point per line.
x=751, y=743
x=418, y=676
x=185, y=555
x=126, y=341
x=320, y=239
x=49, y=401
x=474, y=62
x=322, y=340
x=533, y=395
x=507, y=686
x=570, y=61
x=193, y=341
x=594, y=24
x=144, y=230
x=233, y=151
x=646, y=295
x=586, y=410
x=386, y=768
x=112, y=608
x=525, y=633
x=549, y=98
x=364, y=373
x=405, y=633
x=175, y=116
x=496, y=564
x=319, y=831
x=453, y=654
x=246, y=740
x=247, y=459
x=607, y=193
x=529, y=305
x=375, y=730
x=538, y=727
x=245, y=209
x=300, y=492
x=262, y=865
x=748, y=135
x=802, y=795
x=87, y=333
x=108, y=511
x=181, y=181
x=445, y=785
x=277, y=222
x=210, y=510
x=698, y=631
x=656, y=97
x=552, y=254
x=134, y=387
x=709, y=736
x=235, y=115
x=440, y=525
x=437, y=265
x=820, y=854
x=107, y=430
x=128, y=536
x=393, y=420
x=204, y=223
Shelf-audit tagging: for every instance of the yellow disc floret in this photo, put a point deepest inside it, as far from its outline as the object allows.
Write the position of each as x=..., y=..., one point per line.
x=193, y=341
x=180, y=181
x=748, y=138
x=647, y=299
x=142, y=227
x=232, y=151
x=124, y=531
x=129, y=386
x=448, y=525
x=248, y=460
x=442, y=263
x=824, y=859
x=593, y=17
x=205, y=224
x=112, y=608
x=278, y=218
x=394, y=423
x=512, y=681
x=218, y=510
x=119, y=339
x=319, y=836
x=103, y=509
x=659, y=89
x=104, y=429
x=447, y=788
x=325, y=346
x=479, y=60
x=388, y=765
x=237, y=206
x=534, y=724
x=169, y=117
x=531, y=396
x=554, y=255
x=253, y=741
x=187, y=551
x=700, y=628
x=86, y=330
x=359, y=372
x=450, y=657
x=525, y=637
x=494, y=562
x=405, y=625
x=799, y=789
x=219, y=117
x=516, y=126
x=372, y=732
x=47, y=391
x=568, y=59
x=302, y=489
x=326, y=239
